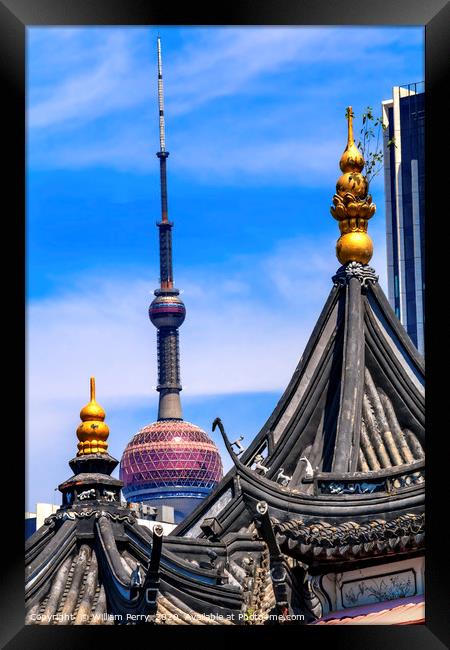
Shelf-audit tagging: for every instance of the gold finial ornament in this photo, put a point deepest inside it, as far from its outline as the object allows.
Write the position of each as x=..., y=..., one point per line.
x=352, y=206
x=92, y=432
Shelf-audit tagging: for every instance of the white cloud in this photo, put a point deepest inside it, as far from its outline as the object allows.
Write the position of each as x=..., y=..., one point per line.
x=277, y=128
x=104, y=330
x=100, y=87
x=214, y=62
x=223, y=62
x=244, y=331
x=291, y=160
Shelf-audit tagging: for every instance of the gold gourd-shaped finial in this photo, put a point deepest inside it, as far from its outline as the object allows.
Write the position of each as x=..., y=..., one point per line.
x=92, y=432
x=352, y=206
x=351, y=160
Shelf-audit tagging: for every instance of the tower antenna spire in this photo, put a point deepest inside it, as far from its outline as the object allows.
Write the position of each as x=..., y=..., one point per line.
x=162, y=126
x=171, y=461
x=167, y=311
x=162, y=153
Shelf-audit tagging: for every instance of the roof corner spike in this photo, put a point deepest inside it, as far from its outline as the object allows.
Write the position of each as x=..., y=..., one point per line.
x=229, y=445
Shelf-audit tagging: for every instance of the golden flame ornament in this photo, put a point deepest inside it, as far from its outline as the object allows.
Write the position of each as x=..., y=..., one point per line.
x=352, y=206
x=92, y=432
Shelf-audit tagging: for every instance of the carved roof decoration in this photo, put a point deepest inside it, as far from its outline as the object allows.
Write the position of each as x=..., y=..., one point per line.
x=321, y=541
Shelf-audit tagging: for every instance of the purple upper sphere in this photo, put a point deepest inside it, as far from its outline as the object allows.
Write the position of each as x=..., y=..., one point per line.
x=167, y=311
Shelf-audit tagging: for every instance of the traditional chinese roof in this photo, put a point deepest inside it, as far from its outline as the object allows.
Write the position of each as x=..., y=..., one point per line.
x=94, y=564
x=354, y=409
x=64, y=585
x=346, y=439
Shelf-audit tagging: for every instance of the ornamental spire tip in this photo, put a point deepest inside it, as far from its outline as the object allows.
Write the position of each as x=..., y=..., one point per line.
x=352, y=205
x=92, y=432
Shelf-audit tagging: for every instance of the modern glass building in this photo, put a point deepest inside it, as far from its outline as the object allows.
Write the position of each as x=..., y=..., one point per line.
x=404, y=117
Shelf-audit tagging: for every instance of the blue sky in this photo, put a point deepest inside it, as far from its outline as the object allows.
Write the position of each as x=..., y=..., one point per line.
x=255, y=128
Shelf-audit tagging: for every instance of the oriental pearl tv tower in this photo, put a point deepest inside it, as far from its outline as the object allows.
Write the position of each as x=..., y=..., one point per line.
x=170, y=462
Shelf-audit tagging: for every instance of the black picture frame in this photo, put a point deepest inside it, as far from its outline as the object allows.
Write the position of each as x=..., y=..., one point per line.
x=15, y=17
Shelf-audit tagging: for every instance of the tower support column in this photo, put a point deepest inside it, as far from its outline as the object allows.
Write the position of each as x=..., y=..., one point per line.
x=169, y=384
x=169, y=405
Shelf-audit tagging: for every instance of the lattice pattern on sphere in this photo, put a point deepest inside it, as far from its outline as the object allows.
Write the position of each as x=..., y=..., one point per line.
x=171, y=453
